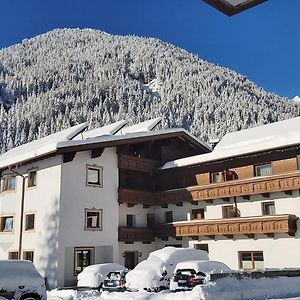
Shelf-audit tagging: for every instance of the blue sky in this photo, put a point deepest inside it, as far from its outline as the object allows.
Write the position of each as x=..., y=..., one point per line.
x=262, y=43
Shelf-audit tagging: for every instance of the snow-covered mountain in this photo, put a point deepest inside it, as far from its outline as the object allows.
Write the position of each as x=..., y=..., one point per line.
x=68, y=76
x=296, y=99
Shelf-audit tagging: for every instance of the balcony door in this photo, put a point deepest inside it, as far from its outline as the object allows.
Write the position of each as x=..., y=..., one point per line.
x=150, y=220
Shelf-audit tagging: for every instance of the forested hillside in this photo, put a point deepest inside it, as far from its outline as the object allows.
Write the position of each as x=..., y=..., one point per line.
x=69, y=76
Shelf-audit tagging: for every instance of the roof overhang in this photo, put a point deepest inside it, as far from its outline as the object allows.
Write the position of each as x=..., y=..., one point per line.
x=232, y=7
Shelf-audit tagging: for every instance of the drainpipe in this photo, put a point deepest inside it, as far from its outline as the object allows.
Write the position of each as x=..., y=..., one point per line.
x=21, y=213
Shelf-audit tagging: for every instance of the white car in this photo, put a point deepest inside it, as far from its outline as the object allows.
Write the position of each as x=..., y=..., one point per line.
x=153, y=274
x=188, y=274
x=19, y=280
x=93, y=276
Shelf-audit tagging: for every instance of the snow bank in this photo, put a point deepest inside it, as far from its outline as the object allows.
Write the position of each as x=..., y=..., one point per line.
x=248, y=289
x=94, y=275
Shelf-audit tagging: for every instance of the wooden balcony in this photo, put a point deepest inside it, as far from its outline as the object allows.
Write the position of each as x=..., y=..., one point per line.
x=133, y=234
x=133, y=197
x=246, y=187
x=224, y=190
x=249, y=226
x=137, y=163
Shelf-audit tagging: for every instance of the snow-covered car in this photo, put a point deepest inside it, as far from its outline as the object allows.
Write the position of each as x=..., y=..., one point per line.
x=93, y=276
x=115, y=281
x=19, y=280
x=188, y=274
x=153, y=274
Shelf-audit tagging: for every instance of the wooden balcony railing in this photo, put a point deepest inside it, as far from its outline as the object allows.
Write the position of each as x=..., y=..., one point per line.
x=228, y=227
x=133, y=197
x=137, y=163
x=133, y=234
x=244, y=188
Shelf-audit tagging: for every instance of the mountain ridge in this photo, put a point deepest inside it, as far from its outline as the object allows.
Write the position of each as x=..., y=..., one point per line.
x=68, y=76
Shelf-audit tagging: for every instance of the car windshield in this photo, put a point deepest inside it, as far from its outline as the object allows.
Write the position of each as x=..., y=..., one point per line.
x=113, y=275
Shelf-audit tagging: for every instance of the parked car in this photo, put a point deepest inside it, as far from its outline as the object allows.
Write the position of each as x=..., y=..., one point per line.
x=93, y=276
x=188, y=274
x=115, y=281
x=153, y=274
x=19, y=280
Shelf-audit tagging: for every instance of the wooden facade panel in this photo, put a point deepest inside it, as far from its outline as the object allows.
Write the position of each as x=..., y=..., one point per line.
x=284, y=166
x=203, y=179
x=136, y=234
x=244, y=172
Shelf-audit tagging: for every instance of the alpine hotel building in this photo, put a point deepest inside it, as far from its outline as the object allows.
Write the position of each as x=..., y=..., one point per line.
x=116, y=193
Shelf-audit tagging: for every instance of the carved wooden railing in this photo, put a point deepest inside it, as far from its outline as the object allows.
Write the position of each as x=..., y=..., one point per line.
x=137, y=163
x=249, y=226
x=133, y=234
x=245, y=188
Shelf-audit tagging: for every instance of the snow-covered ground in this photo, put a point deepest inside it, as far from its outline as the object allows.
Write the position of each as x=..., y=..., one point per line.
x=222, y=289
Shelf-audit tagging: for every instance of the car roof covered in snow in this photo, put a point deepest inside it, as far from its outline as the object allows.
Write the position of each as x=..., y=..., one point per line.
x=15, y=273
x=253, y=140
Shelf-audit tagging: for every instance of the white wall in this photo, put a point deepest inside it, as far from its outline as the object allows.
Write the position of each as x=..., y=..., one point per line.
x=75, y=197
x=43, y=201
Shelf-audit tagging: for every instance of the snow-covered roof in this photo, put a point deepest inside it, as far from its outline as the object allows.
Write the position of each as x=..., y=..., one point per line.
x=109, y=129
x=40, y=147
x=70, y=139
x=253, y=140
x=143, y=126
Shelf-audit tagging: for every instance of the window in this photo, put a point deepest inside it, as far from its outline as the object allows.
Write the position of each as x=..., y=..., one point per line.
x=229, y=211
x=250, y=260
x=83, y=257
x=93, y=219
x=29, y=221
x=94, y=176
x=7, y=223
x=32, y=178
x=223, y=176
x=263, y=170
x=13, y=255
x=28, y=255
x=203, y=247
x=9, y=183
x=268, y=208
x=168, y=216
x=197, y=214
x=130, y=220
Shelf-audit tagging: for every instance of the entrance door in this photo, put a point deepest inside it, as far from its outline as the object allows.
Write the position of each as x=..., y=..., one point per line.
x=130, y=259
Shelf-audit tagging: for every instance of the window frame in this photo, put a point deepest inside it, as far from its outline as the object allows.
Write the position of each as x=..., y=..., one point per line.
x=99, y=169
x=3, y=221
x=28, y=251
x=261, y=165
x=5, y=186
x=26, y=221
x=196, y=211
x=92, y=258
x=29, y=182
x=13, y=252
x=264, y=210
x=133, y=220
x=251, y=252
x=100, y=220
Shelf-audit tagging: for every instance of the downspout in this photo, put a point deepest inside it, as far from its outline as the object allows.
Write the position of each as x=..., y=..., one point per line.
x=21, y=212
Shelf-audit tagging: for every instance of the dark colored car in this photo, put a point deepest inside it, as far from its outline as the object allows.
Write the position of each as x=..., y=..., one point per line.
x=115, y=281
x=188, y=278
